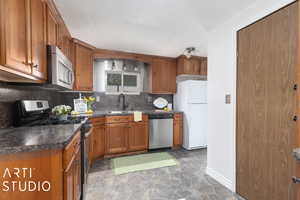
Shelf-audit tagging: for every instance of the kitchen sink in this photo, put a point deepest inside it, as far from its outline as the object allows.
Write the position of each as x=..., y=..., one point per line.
x=121, y=112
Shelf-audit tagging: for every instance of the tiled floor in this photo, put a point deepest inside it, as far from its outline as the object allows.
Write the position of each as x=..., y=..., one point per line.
x=186, y=181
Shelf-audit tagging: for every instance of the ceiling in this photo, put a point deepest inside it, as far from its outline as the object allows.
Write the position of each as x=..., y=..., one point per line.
x=156, y=27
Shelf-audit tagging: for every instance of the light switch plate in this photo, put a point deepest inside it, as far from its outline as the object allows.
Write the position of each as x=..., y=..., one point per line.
x=228, y=98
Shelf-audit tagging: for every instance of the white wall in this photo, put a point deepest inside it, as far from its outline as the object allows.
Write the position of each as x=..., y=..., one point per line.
x=222, y=80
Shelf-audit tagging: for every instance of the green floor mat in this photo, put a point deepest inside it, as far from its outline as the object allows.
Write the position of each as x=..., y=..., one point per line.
x=142, y=162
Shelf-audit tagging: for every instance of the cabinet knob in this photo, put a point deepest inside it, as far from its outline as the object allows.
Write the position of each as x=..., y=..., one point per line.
x=295, y=118
x=295, y=87
x=35, y=66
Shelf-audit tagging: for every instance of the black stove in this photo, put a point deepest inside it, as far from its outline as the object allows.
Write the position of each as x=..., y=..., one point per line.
x=38, y=113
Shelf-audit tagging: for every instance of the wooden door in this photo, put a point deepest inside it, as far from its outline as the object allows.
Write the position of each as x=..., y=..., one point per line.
x=52, y=28
x=266, y=105
x=15, y=32
x=83, y=68
x=98, y=141
x=38, y=39
x=138, y=136
x=117, y=138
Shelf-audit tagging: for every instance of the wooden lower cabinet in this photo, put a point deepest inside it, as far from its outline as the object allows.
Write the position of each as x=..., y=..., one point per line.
x=177, y=131
x=72, y=171
x=138, y=136
x=117, y=138
x=98, y=141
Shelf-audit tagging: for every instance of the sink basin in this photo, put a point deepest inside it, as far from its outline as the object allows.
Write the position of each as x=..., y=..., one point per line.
x=121, y=112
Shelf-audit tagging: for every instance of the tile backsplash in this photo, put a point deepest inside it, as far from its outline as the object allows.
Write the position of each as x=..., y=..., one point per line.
x=11, y=93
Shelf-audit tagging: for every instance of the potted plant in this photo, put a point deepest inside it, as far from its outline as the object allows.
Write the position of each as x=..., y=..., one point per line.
x=62, y=112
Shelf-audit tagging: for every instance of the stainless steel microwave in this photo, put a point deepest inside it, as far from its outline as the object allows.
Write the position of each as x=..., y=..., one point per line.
x=60, y=69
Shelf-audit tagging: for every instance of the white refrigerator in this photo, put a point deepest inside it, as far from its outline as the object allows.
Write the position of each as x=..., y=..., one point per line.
x=191, y=98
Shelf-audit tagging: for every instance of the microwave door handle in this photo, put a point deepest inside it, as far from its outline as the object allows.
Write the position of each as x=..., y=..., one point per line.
x=72, y=77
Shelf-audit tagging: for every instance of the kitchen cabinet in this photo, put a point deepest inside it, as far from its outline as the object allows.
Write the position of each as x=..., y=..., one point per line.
x=163, y=76
x=191, y=66
x=72, y=169
x=177, y=130
x=52, y=27
x=64, y=40
x=38, y=39
x=138, y=136
x=117, y=138
x=83, y=62
x=23, y=49
x=14, y=36
x=203, y=70
x=98, y=138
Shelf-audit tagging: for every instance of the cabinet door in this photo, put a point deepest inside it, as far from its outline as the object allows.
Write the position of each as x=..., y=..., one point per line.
x=138, y=136
x=203, y=67
x=117, y=138
x=177, y=134
x=52, y=28
x=83, y=68
x=15, y=34
x=69, y=183
x=77, y=177
x=98, y=141
x=163, y=76
x=38, y=39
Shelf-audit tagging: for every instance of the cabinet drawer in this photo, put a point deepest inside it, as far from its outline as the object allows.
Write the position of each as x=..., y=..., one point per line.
x=98, y=120
x=178, y=116
x=71, y=149
x=117, y=119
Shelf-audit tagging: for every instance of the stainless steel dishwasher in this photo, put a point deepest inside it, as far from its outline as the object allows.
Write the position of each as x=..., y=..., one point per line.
x=161, y=130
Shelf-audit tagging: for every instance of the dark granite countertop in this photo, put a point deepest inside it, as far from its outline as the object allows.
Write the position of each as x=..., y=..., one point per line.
x=296, y=153
x=28, y=139
x=109, y=113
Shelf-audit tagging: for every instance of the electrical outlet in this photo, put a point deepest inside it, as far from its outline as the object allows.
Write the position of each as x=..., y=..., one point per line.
x=97, y=98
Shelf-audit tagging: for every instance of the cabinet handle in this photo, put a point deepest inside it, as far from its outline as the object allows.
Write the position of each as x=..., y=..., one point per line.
x=35, y=66
x=26, y=63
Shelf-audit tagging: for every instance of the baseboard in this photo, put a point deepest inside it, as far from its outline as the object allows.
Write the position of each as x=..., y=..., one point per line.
x=220, y=178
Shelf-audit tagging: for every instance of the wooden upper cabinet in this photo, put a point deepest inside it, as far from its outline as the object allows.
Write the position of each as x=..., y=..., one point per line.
x=52, y=28
x=163, y=76
x=38, y=38
x=203, y=67
x=23, y=39
x=14, y=52
x=83, y=61
x=192, y=66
